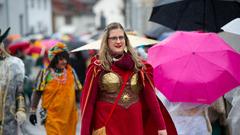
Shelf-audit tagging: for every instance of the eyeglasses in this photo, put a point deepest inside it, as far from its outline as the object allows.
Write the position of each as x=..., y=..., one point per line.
x=121, y=38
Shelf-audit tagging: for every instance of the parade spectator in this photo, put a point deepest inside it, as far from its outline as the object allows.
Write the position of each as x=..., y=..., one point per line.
x=233, y=117
x=189, y=118
x=218, y=115
x=57, y=85
x=118, y=97
x=12, y=103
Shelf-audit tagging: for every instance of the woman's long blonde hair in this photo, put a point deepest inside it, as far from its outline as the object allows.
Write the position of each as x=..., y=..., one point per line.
x=104, y=52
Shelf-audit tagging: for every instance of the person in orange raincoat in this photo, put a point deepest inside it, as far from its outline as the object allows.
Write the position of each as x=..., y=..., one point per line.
x=57, y=85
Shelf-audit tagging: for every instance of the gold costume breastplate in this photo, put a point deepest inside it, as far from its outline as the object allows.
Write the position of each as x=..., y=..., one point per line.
x=110, y=85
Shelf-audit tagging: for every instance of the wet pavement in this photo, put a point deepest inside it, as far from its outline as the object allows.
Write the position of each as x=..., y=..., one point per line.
x=28, y=129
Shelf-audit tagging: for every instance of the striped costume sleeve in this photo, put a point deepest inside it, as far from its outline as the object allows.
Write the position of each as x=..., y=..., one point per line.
x=41, y=80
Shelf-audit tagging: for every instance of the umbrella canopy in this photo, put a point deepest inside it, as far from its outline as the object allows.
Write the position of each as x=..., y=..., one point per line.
x=40, y=47
x=95, y=45
x=71, y=45
x=232, y=39
x=48, y=43
x=155, y=30
x=13, y=37
x=191, y=15
x=233, y=26
x=134, y=40
x=18, y=46
x=194, y=67
x=33, y=49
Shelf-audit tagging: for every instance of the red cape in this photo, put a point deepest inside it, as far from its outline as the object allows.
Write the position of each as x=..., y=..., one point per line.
x=89, y=93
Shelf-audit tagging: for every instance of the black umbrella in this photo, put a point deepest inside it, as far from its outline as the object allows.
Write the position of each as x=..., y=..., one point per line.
x=71, y=45
x=4, y=35
x=188, y=15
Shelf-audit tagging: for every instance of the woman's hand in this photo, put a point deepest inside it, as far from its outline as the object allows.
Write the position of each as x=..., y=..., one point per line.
x=162, y=132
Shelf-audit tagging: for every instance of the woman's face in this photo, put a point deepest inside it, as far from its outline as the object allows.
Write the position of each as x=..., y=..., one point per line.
x=62, y=63
x=116, y=42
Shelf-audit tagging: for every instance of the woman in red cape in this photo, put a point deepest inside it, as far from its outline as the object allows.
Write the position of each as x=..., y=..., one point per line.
x=118, y=97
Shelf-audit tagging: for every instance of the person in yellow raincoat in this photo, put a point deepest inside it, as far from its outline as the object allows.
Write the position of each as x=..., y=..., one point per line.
x=57, y=85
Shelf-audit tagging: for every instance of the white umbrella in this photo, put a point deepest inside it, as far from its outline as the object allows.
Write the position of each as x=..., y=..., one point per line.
x=135, y=41
x=233, y=26
x=232, y=39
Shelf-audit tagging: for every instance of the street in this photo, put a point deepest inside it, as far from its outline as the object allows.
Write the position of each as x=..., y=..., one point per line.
x=28, y=129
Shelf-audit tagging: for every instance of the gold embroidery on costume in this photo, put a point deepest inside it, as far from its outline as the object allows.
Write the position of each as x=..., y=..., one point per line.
x=125, y=97
x=110, y=86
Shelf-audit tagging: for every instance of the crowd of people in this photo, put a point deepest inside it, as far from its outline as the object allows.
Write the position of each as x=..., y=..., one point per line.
x=118, y=96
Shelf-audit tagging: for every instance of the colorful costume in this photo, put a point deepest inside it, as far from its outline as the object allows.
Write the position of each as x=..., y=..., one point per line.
x=12, y=105
x=11, y=76
x=58, y=97
x=59, y=100
x=137, y=112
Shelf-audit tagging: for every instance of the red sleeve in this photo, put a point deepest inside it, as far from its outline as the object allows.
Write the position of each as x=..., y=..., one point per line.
x=90, y=76
x=88, y=98
x=151, y=99
x=158, y=112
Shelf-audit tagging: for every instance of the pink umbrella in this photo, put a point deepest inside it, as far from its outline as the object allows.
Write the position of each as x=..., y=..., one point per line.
x=194, y=67
x=48, y=43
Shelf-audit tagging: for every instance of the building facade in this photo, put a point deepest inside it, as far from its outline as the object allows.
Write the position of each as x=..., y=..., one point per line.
x=26, y=16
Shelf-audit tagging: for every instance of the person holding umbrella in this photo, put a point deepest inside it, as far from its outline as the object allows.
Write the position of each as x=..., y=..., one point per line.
x=56, y=85
x=12, y=105
x=189, y=118
x=118, y=96
x=192, y=70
